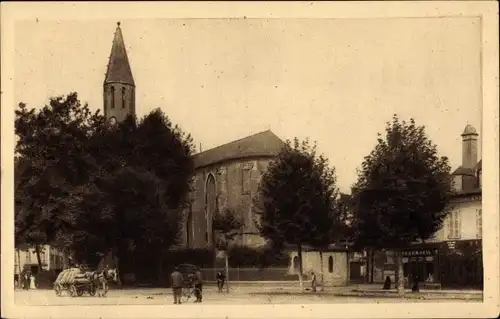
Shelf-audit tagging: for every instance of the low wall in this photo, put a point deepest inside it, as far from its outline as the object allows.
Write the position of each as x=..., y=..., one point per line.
x=250, y=274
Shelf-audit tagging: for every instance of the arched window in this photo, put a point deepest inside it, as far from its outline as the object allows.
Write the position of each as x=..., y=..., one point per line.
x=112, y=97
x=330, y=264
x=123, y=97
x=210, y=205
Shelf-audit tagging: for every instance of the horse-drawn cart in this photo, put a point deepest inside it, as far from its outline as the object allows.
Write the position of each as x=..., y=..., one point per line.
x=75, y=282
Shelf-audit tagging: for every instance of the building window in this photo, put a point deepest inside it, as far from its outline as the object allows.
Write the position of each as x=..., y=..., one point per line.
x=123, y=97
x=479, y=223
x=28, y=256
x=454, y=225
x=330, y=264
x=112, y=97
x=246, y=181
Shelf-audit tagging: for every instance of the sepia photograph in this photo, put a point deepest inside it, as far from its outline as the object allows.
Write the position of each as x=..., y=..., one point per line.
x=229, y=159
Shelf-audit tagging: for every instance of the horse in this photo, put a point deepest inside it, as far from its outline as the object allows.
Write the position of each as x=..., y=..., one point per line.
x=100, y=280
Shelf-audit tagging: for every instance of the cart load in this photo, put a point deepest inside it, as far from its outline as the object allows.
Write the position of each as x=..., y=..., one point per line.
x=75, y=281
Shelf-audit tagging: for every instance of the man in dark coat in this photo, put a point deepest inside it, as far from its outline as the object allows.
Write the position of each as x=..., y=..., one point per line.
x=177, y=282
x=198, y=284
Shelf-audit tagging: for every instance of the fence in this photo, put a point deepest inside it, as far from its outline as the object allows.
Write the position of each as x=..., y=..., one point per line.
x=250, y=274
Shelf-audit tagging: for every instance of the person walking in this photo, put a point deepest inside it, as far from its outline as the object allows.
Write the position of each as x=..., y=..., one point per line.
x=198, y=284
x=313, y=281
x=220, y=280
x=26, y=281
x=177, y=282
x=32, y=282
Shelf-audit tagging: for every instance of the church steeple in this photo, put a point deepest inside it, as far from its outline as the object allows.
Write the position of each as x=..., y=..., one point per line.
x=119, y=85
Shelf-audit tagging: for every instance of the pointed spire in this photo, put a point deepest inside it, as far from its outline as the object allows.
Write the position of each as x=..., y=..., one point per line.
x=118, y=67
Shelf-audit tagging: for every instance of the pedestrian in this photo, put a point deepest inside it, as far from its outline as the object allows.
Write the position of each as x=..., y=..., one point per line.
x=313, y=281
x=177, y=281
x=387, y=283
x=32, y=282
x=198, y=284
x=220, y=280
x=26, y=281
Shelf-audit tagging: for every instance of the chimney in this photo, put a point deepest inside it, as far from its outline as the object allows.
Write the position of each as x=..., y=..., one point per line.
x=469, y=147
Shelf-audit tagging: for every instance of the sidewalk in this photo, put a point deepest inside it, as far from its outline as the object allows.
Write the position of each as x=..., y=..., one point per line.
x=363, y=291
x=377, y=288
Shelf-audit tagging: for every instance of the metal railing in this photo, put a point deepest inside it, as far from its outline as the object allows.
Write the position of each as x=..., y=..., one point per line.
x=250, y=274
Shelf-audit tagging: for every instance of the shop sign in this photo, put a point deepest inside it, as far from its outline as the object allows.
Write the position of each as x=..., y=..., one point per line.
x=419, y=252
x=451, y=244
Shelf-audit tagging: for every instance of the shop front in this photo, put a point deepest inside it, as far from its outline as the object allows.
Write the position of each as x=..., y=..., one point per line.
x=421, y=263
x=461, y=264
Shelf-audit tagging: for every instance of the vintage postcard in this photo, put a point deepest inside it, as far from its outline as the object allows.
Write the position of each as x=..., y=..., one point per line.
x=250, y=159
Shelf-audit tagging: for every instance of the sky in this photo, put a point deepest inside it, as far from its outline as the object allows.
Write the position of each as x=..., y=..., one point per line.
x=334, y=81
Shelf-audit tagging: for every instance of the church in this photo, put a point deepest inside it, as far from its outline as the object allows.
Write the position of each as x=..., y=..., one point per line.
x=226, y=177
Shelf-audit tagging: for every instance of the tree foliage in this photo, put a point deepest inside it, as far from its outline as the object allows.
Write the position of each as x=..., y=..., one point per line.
x=84, y=185
x=403, y=188
x=227, y=225
x=297, y=197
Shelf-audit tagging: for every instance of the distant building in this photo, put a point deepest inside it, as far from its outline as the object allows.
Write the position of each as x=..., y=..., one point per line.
x=52, y=259
x=227, y=177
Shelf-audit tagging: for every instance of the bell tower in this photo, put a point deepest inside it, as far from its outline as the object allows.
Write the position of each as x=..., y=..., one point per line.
x=119, y=85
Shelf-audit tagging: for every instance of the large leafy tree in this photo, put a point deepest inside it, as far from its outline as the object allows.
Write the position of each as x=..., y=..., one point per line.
x=89, y=187
x=403, y=190
x=297, y=199
x=50, y=160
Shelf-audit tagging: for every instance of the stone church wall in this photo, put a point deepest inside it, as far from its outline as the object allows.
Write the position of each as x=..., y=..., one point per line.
x=236, y=183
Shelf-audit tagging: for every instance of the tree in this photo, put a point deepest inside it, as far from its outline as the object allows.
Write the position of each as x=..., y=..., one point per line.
x=139, y=187
x=50, y=160
x=226, y=225
x=403, y=191
x=297, y=196
x=90, y=188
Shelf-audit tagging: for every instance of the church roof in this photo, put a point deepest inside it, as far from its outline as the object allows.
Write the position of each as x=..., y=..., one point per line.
x=119, y=67
x=464, y=171
x=263, y=144
x=469, y=130
x=479, y=165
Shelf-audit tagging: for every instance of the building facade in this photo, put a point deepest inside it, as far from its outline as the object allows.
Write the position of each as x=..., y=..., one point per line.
x=331, y=266
x=51, y=259
x=226, y=177
x=226, y=181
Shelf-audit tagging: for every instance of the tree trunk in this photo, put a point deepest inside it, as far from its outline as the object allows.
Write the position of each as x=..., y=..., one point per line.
x=159, y=271
x=399, y=273
x=372, y=263
x=299, y=255
x=227, y=271
x=321, y=269
x=18, y=255
x=37, y=250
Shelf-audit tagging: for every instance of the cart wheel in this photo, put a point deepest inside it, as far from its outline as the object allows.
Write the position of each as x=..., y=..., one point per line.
x=72, y=291
x=185, y=295
x=58, y=289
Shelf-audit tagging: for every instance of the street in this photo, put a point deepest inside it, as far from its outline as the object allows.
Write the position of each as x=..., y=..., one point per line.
x=238, y=296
